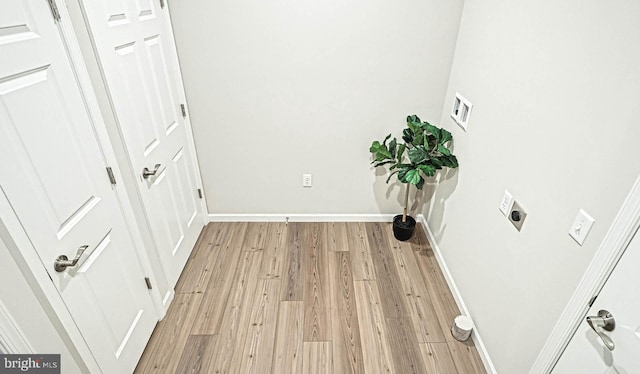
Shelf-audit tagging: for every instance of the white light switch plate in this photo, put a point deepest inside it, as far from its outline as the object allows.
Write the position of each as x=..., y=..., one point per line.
x=506, y=203
x=307, y=180
x=581, y=226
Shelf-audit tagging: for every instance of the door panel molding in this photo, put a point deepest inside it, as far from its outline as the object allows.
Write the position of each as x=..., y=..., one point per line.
x=12, y=339
x=618, y=237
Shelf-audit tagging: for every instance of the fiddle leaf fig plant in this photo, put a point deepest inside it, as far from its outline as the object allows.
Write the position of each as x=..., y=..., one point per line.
x=424, y=150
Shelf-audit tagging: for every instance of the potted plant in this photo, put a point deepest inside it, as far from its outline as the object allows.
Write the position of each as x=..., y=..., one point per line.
x=425, y=149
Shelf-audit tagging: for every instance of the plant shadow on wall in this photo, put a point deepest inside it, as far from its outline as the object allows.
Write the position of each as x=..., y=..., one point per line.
x=445, y=181
x=424, y=151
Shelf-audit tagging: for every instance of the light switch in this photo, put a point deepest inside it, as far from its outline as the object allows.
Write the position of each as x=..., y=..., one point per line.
x=581, y=226
x=307, y=180
x=506, y=203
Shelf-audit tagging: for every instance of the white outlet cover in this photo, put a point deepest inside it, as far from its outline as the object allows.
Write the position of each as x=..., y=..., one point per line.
x=307, y=180
x=506, y=203
x=581, y=227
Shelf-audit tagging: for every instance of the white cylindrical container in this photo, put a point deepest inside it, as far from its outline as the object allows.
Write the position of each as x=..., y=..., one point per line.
x=462, y=327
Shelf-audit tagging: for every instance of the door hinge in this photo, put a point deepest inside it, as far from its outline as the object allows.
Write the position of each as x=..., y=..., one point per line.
x=112, y=178
x=148, y=282
x=54, y=10
x=184, y=110
x=593, y=300
x=162, y=4
x=200, y=193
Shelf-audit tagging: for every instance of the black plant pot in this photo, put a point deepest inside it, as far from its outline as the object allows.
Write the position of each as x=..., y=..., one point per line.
x=403, y=230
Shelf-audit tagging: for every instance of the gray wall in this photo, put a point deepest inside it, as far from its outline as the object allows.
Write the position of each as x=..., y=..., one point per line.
x=281, y=88
x=556, y=93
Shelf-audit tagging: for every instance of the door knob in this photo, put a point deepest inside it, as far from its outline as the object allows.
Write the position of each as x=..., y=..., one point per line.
x=62, y=262
x=146, y=173
x=604, y=321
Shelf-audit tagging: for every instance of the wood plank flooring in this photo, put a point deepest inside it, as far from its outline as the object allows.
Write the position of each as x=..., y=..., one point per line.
x=309, y=298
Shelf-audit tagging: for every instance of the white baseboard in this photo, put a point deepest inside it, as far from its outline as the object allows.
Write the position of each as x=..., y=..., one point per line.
x=301, y=217
x=475, y=335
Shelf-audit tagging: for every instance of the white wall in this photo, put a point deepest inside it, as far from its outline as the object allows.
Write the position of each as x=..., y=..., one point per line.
x=281, y=88
x=555, y=88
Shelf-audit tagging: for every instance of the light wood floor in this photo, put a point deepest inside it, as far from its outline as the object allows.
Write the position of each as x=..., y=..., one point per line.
x=309, y=298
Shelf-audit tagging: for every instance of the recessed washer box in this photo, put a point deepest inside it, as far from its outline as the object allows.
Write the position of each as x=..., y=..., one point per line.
x=461, y=111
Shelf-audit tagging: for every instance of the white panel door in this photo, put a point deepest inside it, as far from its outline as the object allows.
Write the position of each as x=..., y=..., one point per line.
x=135, y=55
x=52, y=173
x=586, y=353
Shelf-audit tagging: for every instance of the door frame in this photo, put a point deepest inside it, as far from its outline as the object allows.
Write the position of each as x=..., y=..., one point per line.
x=112, y=124
x=613, y=246
x=20, y=248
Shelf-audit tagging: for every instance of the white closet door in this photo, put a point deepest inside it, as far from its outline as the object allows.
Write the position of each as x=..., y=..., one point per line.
x=136, y=56
x=52, y=173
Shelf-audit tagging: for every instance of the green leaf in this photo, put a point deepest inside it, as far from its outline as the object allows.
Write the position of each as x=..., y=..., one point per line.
x=414, y=127
x=446, y=136
x=434, y=131
x=418, y=138
x=407, y=135
x=442, y=149
x=435, y=161
x=418, y=155
x=400, y=152
x=385, y=140
x=383, y=154
x=450, y=161
x=430, y=144
x=413, y=118
x=380, y=150
x=454, y=161
x=420, y=184
x=374, y=147
x=402, y=174
x=413, y=176
x=428, y=170
x=392, y=147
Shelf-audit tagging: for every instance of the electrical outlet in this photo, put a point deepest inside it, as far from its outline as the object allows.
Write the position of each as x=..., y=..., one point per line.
x=307, y=180
x=506, y=203
x=581, y=226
